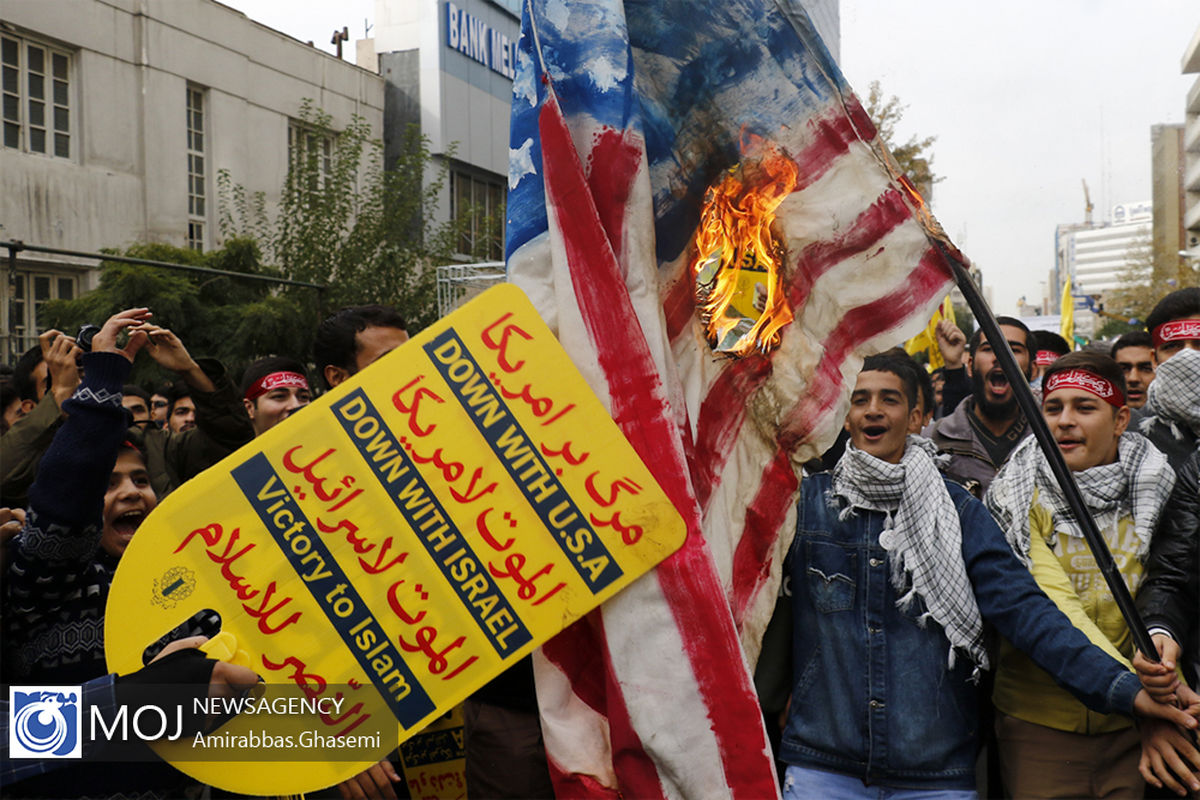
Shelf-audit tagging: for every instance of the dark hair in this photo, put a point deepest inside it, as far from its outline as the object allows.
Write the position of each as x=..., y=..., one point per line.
x=163, y=390
x=1179, y=304
x=174, y=392
x=920, y=375
x=1013, y=322
x=925, y=384
x=135, y=445
x=1049, y=340
x=22, y=377
x=1132, y=339
x=335, y=342
x=266, y=366
x=903, y=367
x=1097, y=363
x=8, y=394
x=136, y=391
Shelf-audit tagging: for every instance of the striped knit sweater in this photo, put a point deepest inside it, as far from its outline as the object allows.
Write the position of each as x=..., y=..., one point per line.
x=58, y=578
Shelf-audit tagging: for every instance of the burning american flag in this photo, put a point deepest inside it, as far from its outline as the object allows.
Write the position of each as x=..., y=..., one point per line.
x=699, y=207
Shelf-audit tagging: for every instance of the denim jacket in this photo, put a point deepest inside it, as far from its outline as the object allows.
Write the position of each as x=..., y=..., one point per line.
x=872, y=694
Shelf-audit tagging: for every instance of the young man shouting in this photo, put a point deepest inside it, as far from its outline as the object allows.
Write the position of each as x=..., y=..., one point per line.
x=893, y=571
x=982, y=422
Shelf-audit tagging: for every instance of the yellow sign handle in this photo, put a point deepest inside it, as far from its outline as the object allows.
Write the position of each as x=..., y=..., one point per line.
x=223, y=647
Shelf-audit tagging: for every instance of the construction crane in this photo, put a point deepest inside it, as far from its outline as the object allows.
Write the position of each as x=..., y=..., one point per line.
x=1087, y=209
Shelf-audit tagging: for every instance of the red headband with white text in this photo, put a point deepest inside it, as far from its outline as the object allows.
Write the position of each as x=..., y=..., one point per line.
x=1087, y=381
x=1175, y=330
x=276, y=380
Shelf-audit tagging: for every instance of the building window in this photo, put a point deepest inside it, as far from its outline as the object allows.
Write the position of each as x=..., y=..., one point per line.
x=197, y=184
x=30, y=292
x=479, y=202
x=308, y=144
x=36, y=83
x=195, y=236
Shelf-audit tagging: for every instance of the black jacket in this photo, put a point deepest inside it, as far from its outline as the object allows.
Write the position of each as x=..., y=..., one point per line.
x=1170, y=596
x=1176, y=442
x=221, y=427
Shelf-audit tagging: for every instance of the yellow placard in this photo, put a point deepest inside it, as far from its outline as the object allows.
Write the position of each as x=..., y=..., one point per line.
x=400, y=541
x=434, y=762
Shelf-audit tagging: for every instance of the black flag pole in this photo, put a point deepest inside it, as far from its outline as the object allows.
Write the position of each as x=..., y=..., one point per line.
x=1033, y=414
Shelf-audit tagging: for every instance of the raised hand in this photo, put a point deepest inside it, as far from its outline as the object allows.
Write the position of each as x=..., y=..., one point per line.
x=62, y=361
x=105, y=340
x=952, y=342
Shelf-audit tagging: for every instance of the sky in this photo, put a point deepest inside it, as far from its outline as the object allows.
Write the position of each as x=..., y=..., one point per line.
x=1026, y=99
x=313, y=20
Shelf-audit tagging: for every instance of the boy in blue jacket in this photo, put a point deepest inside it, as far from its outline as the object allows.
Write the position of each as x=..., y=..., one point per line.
x=893, y=571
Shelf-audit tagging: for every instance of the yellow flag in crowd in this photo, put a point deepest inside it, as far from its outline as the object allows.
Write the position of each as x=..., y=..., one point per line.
x=1068, y=314
x=927, y=339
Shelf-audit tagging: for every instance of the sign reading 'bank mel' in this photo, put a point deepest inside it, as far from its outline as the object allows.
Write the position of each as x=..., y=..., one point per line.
x=474, y=38
x=401, y=541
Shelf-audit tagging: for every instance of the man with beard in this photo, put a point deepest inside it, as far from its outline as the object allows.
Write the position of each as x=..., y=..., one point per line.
x=986, y=425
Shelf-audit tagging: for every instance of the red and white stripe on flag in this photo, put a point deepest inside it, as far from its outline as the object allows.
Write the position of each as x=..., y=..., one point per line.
x=652, y=696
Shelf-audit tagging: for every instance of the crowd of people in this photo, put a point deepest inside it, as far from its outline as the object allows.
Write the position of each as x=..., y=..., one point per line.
x=925, y=624
x=941, y=597
x=87, y=457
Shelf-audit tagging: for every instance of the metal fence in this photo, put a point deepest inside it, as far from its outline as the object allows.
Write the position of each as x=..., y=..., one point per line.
x=458, y=283
x=19, y=331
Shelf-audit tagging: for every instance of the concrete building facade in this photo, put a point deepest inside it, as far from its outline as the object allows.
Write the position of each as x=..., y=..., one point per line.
x=1098, y=257
x=118, y=116
x=1190, y=65
x=1166, y=181
x=448, y=67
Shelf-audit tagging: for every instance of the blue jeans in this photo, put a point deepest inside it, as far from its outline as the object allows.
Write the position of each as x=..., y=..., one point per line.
x=802, y=783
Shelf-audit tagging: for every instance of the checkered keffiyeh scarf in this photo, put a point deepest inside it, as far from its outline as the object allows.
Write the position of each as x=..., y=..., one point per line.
x=1174, y=395
x=1138, y=482
x=922, y=534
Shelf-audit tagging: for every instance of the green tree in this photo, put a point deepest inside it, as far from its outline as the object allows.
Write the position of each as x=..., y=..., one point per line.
x=218, y=316
x=1152, y=273
x=367, y=233
x=1114, y=328
x=913, y=157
